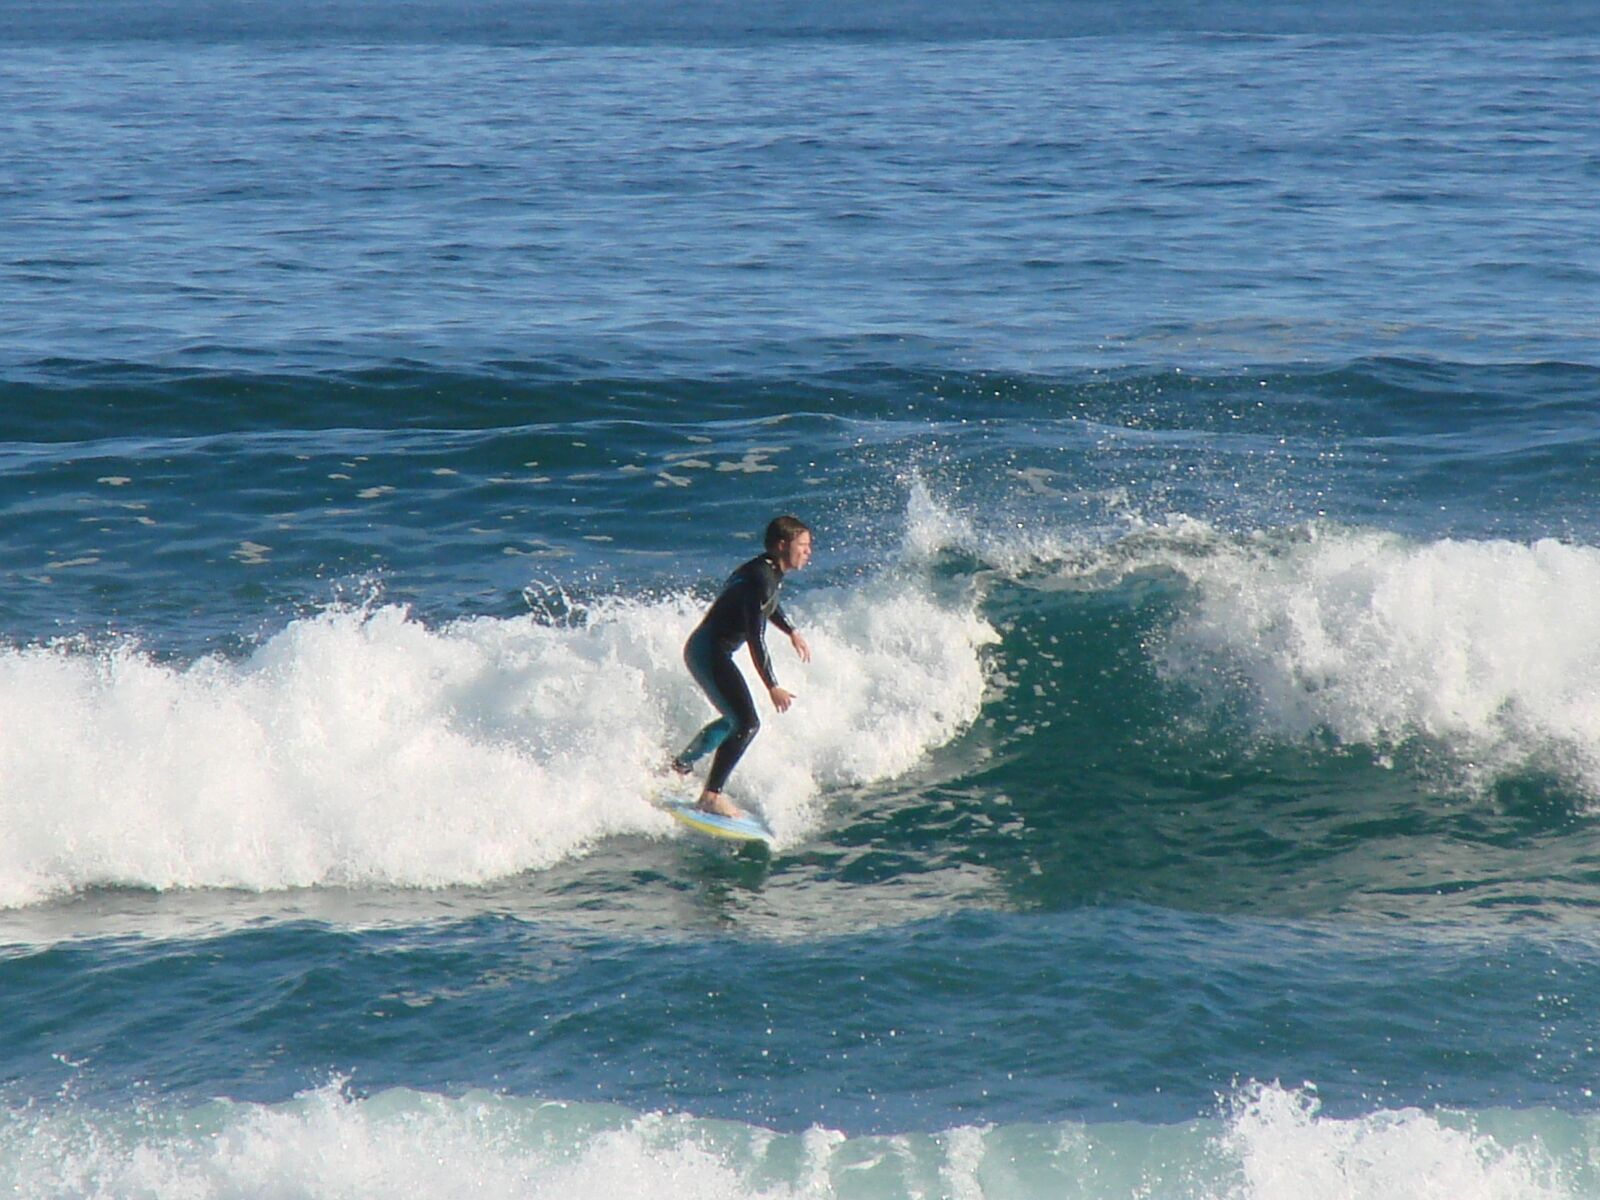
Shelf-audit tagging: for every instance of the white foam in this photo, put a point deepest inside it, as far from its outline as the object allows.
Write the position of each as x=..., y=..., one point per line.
x=1275, y=1145
x=1490, y=647
x=366, y=748
x=399, y=1144
x=892, y=675
x=1284, y=1148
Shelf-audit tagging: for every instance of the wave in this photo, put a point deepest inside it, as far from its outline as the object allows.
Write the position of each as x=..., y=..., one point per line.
x=1269, y=1143
x=66, y=400
x=1488, y=647
x=360, y=747
x=367, y=748
x=1484, y=651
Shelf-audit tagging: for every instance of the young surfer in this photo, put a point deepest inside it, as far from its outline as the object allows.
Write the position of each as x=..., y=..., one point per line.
x=739, y=615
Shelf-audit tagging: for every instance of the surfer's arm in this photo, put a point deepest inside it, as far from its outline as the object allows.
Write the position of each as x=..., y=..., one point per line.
x=755, y=631
x=755, y=634
x=796, y=639
x=781, y=620
x=801, y=646
x=781, y=697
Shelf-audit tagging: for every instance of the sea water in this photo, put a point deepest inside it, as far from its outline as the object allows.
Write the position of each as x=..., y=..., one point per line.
x=1194, y=791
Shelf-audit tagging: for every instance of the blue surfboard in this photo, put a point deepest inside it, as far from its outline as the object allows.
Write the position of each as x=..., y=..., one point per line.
x=733, y=829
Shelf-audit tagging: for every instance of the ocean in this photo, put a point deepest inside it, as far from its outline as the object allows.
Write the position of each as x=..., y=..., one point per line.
x=1195, y=790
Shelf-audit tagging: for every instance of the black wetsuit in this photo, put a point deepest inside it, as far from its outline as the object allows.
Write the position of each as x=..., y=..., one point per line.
x=738, y=616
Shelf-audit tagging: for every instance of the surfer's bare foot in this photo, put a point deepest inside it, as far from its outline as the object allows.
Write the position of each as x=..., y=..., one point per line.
x=678, y=767
x=716, y=802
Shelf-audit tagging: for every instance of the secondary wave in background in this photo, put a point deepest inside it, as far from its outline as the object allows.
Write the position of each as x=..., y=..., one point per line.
x=913, y=1025
x=196, y=509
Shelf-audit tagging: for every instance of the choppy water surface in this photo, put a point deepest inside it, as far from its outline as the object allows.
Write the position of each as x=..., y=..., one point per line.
x=1193, y=792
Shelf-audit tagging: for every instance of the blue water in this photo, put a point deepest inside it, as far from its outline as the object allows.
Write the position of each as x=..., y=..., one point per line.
x=1194, y=791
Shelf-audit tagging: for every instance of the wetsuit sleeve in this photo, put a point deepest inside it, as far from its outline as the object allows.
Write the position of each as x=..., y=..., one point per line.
x=781, y=620
x=755, y=629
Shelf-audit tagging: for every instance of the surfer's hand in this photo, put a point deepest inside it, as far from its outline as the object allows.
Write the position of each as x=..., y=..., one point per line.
x=801, y=646
x=781, y=699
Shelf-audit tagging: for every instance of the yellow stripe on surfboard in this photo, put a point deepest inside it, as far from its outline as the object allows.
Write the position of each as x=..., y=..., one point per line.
x=733, y=829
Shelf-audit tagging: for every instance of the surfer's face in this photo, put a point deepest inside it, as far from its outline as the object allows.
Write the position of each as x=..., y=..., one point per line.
x=795, y=553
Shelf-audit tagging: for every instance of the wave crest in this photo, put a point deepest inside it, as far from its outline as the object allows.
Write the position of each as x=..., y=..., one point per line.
x=362, y=748
x=1275, y=1145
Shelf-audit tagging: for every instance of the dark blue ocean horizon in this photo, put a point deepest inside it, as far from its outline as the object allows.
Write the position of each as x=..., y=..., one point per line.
x=724, y=22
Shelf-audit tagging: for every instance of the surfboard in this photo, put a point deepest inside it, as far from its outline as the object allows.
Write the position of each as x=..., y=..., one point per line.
x=733, y=829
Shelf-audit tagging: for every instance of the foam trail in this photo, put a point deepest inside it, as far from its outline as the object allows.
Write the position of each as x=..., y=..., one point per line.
x=365, y=748
x=1273, y=1146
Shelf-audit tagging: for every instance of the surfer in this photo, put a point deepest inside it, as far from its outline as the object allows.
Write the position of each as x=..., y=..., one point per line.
x=739, y=616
